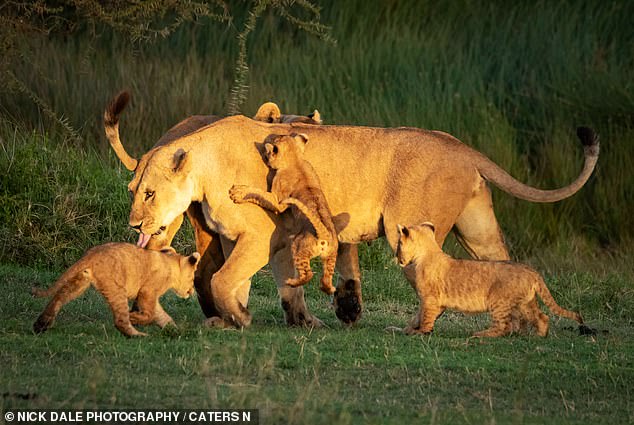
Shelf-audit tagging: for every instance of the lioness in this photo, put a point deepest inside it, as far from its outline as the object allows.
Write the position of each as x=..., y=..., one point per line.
x=212, y=247
x=375, y=177
x=310, y=225
x=121, y=271
x=472, y=286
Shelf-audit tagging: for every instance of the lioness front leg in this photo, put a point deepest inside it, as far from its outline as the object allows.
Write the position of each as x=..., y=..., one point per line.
x=250, y=254
x=241, y=194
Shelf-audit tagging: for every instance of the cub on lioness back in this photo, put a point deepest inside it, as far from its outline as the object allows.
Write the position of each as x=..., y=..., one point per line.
x=473, y=286
x=310, y=224
x=121, y=271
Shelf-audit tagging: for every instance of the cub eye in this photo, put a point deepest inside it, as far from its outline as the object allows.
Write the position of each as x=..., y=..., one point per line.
x=149, y=194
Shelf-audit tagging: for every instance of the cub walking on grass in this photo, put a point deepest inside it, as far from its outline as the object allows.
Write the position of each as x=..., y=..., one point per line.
x=121, y=271
x=310, y=223
x=473, y=286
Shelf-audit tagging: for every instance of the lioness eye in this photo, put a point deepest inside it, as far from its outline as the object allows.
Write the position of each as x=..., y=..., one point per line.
x=148, y=194
x=131, y=194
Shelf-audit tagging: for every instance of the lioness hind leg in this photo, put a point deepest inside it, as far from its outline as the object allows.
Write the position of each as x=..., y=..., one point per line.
x=477, y=228
x=71, y=290
x=501, y=316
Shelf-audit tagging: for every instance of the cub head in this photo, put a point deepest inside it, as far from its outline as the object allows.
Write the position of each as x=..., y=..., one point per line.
x=160, y=192
x=281, y=151
x=414, y=241
x=270, y=112
x=183, y=285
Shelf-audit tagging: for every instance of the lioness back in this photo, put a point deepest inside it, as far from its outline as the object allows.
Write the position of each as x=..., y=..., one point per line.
x=121, y=271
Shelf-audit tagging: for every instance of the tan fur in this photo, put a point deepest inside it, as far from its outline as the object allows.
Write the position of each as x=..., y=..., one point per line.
x=472, y=286
x=121, y=271
x=208, y=242
x=372, y=178
x=309, y=224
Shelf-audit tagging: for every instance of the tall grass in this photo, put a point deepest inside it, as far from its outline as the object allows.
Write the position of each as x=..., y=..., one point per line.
x=513, y=81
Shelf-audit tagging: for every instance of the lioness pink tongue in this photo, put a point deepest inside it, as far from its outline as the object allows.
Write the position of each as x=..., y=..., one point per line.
x=143, y=240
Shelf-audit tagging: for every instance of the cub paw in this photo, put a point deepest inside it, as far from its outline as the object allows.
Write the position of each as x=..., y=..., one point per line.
x=238, y=192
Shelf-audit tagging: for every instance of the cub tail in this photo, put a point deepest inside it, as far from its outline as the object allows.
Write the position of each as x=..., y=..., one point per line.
x=547, y=298
x=322, y=232
x=71, y=276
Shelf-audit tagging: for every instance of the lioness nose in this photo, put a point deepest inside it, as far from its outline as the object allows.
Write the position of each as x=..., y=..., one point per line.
x=138, y=226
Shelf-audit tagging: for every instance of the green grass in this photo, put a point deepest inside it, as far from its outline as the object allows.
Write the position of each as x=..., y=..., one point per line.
x=335, y=374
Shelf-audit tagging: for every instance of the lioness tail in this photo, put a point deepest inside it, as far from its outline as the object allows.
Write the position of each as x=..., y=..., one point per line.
x=111, y=124
x=493, y=173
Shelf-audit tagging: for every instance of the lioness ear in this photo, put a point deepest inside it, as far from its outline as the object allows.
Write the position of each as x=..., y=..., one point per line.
x=315, y=116
x=182, y=162
x=402, y=230
x=430, y=225
x=300, y=137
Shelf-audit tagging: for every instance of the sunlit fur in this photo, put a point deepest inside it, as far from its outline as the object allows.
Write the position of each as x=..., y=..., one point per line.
x=309, y=222
x=120, y=272
x=472, y=286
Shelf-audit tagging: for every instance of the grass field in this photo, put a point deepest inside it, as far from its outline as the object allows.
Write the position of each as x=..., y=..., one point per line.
x=514, y=82
x=364, y=374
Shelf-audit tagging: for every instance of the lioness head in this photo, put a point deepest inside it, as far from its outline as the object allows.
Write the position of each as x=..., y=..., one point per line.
x=282, y=150
x=183, y=285
x=270, y=112
x=160, y=192
x=414, y=240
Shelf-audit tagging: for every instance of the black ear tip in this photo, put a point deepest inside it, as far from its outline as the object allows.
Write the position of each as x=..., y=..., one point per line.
x=587, y=136
x=194, y=258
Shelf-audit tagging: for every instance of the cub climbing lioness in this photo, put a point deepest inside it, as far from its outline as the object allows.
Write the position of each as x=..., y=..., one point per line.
x=121, y=271
x=473, y=286
x=310, y=224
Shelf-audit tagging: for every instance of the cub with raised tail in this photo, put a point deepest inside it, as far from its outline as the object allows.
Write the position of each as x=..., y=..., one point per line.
x=296, y=185
x=473, y=286
x=120, y=272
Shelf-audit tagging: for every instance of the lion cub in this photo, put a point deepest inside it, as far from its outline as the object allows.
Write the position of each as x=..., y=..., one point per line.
x=121, y=271
x=310, y=224
x=473, y=286
x=270, y=112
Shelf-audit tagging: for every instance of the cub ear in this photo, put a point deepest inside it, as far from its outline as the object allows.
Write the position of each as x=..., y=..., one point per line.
x=269, y=148
x=316, y=116
x=300, y=137
x=194, y=258
x=402, y=230
x=430, y=225
x=181, y=161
